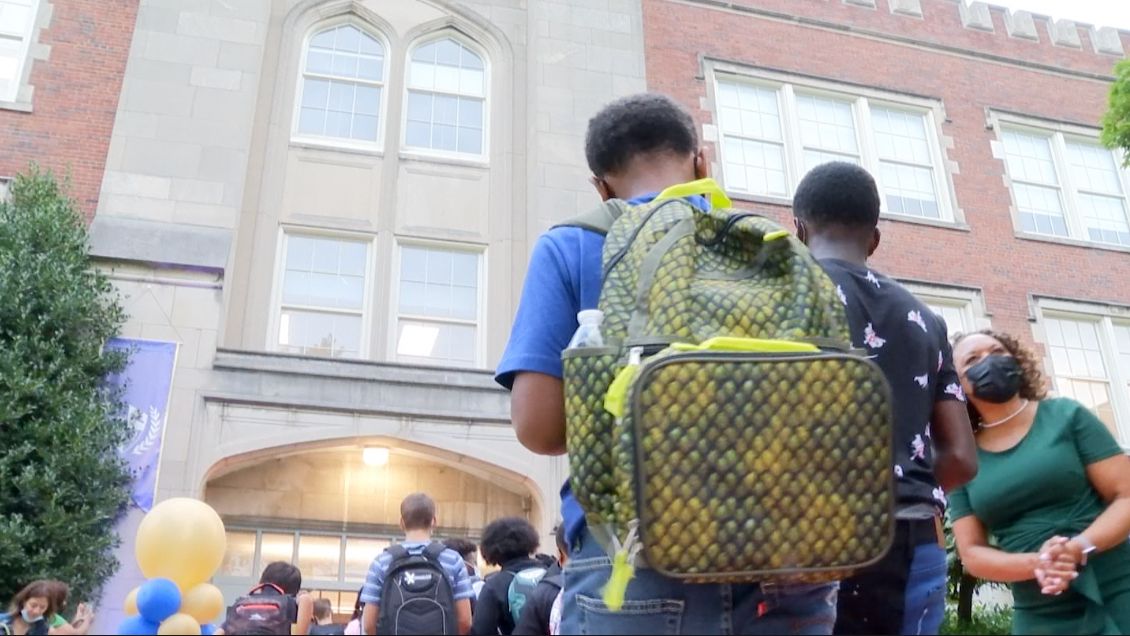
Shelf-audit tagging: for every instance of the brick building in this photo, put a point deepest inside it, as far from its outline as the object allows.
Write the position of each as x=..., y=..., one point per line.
x=981, y=125
x=61, y=68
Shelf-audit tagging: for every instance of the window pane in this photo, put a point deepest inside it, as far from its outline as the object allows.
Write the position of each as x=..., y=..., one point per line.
x=471, y=113
x=1042, y=207
x=1092, y=168
x=364, y=127
x=826, y=124
x=750, y=111
x=909, y=189
x=470, y=141
x=315, y=93
x=239, y=557
x=15, y=18
x=320, y=334
x=359, y=555
x=276, y=547
x=436, y=343
x=324, y=273
x=319, y=557
x=1029, y=158
x=1105, y=218
x=754, y=166
x=368, y=100
x=319, y=62
x=901, y=136
x=1122, y=345
x=445, y=110
x=955, y=317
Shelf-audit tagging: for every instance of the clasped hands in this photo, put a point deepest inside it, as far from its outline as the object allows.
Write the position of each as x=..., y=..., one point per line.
x=1058, y=564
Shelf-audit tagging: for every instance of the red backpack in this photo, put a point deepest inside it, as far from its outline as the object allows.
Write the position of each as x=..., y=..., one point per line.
x=266, y=609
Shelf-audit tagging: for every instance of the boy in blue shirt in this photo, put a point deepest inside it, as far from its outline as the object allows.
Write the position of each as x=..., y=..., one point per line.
x=636, y=147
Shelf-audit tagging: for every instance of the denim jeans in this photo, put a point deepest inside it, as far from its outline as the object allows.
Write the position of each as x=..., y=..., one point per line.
x=904, y=593
x=656, y=604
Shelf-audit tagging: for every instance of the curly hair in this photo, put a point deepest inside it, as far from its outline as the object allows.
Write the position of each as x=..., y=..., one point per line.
x=1033, y=386
x=507, y=539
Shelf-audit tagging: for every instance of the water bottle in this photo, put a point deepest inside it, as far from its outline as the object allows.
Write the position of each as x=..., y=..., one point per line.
x=588, y=332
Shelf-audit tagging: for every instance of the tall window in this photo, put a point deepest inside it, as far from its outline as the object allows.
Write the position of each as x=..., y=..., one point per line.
x=438, y=312
x=1066, y=186
x=446, y=98
x=17, y=22
x=961, y=308
x=1079, y=366
x=342, y=84
x=772, y=134
x=323, y=296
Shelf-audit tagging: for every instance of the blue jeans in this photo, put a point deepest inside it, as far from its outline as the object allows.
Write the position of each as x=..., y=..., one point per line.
x=925, y=591
x=656, y=604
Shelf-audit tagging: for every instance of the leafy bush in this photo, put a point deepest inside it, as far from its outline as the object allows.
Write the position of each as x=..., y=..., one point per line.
x=62, y=484
x=986, y=620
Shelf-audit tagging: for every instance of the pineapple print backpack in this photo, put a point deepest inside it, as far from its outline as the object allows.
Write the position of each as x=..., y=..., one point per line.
x=726, y=432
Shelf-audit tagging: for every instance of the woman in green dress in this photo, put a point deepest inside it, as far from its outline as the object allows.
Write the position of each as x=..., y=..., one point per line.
x=1052, y=490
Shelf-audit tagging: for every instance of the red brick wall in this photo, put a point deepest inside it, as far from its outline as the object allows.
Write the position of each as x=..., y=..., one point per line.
x=75, y=98
x=679, y=34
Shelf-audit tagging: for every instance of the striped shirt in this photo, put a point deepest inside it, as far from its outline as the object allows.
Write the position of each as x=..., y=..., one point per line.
x=453, y=566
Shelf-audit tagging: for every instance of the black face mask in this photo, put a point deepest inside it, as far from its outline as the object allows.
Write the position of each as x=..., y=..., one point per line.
x=995, y=379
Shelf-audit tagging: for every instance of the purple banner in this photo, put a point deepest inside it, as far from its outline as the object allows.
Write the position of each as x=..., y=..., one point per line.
x=146, y=380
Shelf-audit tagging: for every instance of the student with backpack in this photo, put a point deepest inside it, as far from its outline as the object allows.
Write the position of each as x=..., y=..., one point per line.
x=276, y=606
x=418, y=586
x=537, y=617
x=508, y=543
x=837, y=214
x=638, y=148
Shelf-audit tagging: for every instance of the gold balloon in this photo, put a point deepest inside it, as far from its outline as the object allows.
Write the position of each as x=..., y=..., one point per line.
x=203, y=602
x=182, y=540
x=178, y=624
x=130, y=605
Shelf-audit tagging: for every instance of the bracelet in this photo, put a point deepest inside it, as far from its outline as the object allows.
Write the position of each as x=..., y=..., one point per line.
x=1088, y=546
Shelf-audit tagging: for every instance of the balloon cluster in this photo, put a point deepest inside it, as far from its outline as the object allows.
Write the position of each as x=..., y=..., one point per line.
x=180, y=544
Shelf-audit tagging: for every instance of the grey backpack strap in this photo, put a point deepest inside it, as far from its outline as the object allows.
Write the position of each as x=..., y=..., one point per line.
x=598, y=220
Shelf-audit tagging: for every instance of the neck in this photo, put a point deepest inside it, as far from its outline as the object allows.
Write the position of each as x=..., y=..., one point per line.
x=823, y=247
x=655, y=179
x=325, y=621
x=419, y=536
x=992, y=412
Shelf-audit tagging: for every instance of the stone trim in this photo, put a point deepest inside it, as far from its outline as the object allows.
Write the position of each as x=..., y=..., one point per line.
x=1064, y=33
x=1021, y=24
x=976, y=15
x=1107, y=40
x=912, y=8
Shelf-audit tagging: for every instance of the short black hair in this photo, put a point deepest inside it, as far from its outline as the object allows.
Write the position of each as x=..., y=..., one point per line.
x=507, y=539
x=643, y=124
x=418, y=512
x=464, y=547
x=838, y=193
x=284, y=575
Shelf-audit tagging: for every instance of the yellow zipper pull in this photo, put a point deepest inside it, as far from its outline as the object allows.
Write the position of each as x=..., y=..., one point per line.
x=616, y=397
x=617, y=587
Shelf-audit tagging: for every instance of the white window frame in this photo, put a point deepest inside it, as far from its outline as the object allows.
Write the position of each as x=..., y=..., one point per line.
x=275, y=321
x=1104, y=317
x=970, y=302
x=5, y=189
x=394, y=296
x=861, y=100
x=1058, y=133
x=369, y=147
x=23, y=62
x=481, y=159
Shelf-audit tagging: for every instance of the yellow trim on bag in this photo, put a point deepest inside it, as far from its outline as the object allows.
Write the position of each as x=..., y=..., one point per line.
x=773, y=236
x=710, y=187
x=616, y=588
x=758, y=345
x=615, y=400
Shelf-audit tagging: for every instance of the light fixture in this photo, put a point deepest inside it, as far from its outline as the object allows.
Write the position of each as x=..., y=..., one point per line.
x=374, y=456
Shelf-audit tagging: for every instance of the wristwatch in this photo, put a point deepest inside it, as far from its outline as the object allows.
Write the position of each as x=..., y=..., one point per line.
x=1088, y=546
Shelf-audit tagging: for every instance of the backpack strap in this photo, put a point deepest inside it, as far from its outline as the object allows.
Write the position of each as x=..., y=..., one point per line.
x=598, y=220
x=259, y=588
x=434, y=549
x=556, y=580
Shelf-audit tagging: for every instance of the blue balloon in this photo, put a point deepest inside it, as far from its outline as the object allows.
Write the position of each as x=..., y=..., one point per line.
x=207, y=629
x=136, y=626
x=158, y=599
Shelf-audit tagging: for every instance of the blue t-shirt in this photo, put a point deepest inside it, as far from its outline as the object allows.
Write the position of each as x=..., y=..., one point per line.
x=564, y=277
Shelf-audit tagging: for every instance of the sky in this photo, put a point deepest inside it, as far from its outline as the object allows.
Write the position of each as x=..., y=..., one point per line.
x=1114, y=13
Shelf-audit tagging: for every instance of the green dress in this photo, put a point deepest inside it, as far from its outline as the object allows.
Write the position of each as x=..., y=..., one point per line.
x=1039, y=489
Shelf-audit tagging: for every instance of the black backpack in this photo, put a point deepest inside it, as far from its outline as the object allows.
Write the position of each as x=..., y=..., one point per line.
x=265, y=610
x=417, y=597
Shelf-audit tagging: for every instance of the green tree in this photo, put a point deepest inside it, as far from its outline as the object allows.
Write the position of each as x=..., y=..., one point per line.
x=1116, y=122
x=62, y=484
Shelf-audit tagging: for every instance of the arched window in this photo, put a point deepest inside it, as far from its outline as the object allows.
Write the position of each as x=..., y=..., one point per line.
x=446, y=98
x=343, y=80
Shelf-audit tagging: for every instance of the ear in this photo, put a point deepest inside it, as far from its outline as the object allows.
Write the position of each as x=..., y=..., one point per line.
x=801, y=230
x=701, y=166
x=876, y=238
x=602, y=188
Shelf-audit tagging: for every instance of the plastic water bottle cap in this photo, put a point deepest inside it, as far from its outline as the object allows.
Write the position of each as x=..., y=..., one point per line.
x=590, y=317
